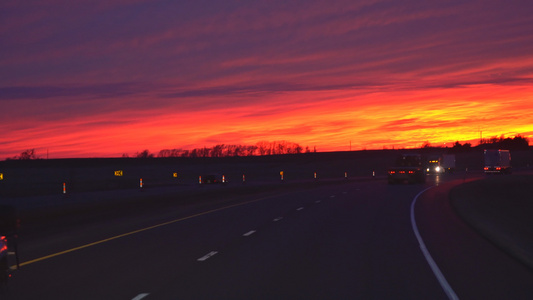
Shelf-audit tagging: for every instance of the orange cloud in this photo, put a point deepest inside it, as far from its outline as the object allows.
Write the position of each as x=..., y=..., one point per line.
x=329, y=120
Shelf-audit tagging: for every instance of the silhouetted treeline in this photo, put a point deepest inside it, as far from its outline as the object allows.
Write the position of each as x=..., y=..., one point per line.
x=457, y=147
x=223, y=150
x=283, y=147
x=516, y=143
x=25, y=155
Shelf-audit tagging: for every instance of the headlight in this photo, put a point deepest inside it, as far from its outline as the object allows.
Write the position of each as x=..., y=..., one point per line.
x=438, y=169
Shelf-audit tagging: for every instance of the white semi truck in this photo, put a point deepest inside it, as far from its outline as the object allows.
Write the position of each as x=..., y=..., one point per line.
x=497, y=161
x=448, y=162
x=438, y=164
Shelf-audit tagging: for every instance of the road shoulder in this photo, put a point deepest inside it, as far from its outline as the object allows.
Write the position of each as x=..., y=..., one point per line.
x=500, y=209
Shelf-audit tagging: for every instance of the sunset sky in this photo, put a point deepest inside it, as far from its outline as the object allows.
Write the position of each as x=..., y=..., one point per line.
x=103, y=78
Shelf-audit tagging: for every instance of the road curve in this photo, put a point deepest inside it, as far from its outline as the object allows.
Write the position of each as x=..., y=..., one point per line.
x=343, y=241
x=474, y=267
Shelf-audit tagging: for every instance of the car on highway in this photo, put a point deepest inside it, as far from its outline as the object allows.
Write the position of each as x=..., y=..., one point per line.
x=4, y=268
x=8, y=239
x=408, y=168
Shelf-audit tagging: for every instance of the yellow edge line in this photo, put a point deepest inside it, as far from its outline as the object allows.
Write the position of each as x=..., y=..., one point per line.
x=134, y=232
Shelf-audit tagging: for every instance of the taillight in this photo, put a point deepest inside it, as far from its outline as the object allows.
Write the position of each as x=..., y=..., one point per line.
x=498, y=168
x=4, y=242
x=486, y=168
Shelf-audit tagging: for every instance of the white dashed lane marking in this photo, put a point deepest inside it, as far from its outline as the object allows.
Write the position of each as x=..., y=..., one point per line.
x=249, y=233
x=140, y=296
x=207, y=256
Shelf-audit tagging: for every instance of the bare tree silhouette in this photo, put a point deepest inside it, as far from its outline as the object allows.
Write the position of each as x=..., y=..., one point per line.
x=229, y=150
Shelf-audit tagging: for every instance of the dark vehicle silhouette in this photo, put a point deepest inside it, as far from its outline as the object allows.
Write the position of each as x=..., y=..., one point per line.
x=4, y=268
x=408, y=168
x=8, y=239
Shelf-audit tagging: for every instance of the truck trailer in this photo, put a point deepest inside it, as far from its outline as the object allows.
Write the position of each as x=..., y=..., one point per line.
x=448, y=162
x=497, y=161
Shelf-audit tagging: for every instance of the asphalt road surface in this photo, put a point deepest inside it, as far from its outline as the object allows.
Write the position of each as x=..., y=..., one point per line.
x=356, y=240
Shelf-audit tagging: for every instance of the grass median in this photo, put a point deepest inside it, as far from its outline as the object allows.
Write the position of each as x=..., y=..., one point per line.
x=501, y=209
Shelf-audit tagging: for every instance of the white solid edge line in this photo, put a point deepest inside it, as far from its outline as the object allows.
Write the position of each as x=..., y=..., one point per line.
x=140, y=296
x=300, y=208
x=436, y=271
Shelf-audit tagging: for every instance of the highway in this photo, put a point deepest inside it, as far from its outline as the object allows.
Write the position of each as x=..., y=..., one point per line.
x=351, y=240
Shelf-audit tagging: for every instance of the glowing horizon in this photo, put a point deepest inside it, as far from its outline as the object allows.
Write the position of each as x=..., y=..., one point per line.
x=105, y=79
